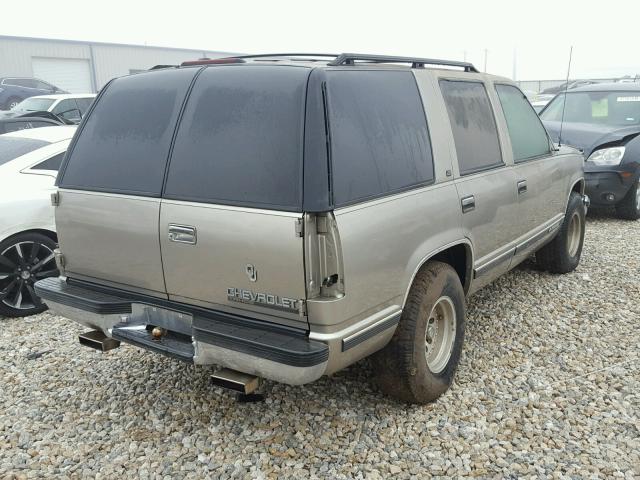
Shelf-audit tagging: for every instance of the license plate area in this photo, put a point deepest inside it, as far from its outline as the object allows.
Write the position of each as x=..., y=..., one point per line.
x=171, y=320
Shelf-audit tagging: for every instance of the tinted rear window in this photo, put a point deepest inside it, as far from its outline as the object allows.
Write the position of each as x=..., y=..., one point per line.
x=473, y=125
x=124, y=144
x=12, y=148
x=379, y=137
x=240, y=138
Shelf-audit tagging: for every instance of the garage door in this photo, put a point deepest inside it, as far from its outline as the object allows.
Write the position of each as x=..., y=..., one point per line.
x=72, y=75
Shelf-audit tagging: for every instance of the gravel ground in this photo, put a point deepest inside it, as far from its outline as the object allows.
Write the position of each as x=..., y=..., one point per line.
x=547, y=388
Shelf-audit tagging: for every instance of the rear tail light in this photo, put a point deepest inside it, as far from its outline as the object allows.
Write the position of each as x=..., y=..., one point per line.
x=324, y=268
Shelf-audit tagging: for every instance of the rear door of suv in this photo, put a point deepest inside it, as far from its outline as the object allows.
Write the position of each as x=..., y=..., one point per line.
x=230, y=228
x=485, y=183
x=111, y=182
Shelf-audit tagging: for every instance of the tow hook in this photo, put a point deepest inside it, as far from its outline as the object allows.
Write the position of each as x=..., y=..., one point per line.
x=157, y=333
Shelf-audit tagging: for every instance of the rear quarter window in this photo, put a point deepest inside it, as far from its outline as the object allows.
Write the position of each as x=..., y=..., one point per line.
x=474, y=127
x=124, y=144
x=379, y=138
x=240, y=138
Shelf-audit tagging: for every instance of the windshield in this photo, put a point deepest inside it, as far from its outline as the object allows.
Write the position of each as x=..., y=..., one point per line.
x=12, y=147
x=598, y=108
x=34, y=104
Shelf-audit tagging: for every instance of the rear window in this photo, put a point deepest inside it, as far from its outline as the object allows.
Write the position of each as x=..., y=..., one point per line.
x=34, y=104
x=124, y=144
x=12, y=148
x=240, y=138
x=379, y=138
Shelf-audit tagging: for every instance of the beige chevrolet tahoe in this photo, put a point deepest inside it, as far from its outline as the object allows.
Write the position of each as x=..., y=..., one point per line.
x=284, y=216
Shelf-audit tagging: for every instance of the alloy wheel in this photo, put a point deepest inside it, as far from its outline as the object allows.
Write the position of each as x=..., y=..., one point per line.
x=21, y=265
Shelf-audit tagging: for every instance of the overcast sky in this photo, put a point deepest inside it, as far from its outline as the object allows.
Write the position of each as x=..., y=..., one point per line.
x=537, y=33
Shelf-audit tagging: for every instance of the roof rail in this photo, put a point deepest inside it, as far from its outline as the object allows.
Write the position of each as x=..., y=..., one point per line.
x=288, y=55
x=351, y=58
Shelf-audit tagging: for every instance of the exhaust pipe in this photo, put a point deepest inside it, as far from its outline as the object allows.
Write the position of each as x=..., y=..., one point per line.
x=98, y=340
x=237, y=381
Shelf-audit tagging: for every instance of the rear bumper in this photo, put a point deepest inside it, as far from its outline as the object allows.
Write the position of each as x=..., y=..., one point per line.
x=267, y=350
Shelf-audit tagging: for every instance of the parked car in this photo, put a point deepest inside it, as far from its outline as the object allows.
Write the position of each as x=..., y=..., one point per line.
x=604, y=121
x=15, y=89
x=69, y=107
x=310, y=212
x=29, y=161
x=569, y=85
x=540, y=101
x=15, y=124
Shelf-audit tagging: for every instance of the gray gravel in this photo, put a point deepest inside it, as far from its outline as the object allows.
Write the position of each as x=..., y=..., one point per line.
x=548, y=387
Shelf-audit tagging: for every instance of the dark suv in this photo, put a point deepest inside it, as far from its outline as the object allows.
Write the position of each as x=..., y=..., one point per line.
x=15, y=89
x=604, y=121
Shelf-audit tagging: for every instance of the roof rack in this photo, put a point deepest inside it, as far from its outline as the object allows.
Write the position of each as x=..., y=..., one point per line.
x=288, y=55
x=351, y=58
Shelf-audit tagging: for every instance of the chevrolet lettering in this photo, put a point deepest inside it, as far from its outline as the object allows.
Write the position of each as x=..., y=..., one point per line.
x=268, y=299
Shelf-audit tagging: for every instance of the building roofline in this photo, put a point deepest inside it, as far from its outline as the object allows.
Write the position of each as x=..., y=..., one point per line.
x=109, y=44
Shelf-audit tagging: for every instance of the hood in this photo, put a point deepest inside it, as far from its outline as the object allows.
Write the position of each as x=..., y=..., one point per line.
x=587, y=136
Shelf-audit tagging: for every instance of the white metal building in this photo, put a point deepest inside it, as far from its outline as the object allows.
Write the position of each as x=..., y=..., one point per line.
x=81, y=67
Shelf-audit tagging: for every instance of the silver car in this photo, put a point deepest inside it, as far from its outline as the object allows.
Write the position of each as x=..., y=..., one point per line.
x=285, y=216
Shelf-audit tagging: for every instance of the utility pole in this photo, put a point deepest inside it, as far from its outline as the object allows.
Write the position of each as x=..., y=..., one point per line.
x=515, y=63
x=486, y=52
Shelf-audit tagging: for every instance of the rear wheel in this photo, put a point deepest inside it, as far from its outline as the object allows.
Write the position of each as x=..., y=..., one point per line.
x=24, y=259
x=562, y=254
x=12, y=102
x=419, y=363
x=629, y=207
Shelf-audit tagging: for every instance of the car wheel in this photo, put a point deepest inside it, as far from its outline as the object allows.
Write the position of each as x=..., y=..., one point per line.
x=12, y=102
x=419, y=363
x=629, y=207
x=24, y=259
x=562, y=254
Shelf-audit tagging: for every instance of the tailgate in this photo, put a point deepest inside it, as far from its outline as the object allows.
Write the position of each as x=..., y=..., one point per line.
x=236, y=259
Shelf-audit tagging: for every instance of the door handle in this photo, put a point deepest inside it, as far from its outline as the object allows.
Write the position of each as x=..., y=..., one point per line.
x=522, y=187
x=182, y=234
x=468, y=203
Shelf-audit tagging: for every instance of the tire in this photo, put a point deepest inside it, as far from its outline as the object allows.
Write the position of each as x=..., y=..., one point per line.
x=12, y=102
x=405, y=368
x=629, y=206
x=24, y=259
x=562, y=254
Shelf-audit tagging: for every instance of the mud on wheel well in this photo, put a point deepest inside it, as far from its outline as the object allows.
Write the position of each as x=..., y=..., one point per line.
x=578, y=187
x=459, y=257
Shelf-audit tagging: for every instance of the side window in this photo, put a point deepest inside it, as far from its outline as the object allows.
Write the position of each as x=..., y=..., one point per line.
x=379, y=138
x=528, y=136
x=473, y=124
x=52, y=163
x=124, y=144
x=84, y=104
x=67, y=109
x=28, y=82
x=240, y=138
x=44, y=86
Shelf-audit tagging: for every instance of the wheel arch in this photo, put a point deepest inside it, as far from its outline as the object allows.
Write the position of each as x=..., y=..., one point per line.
x=42, y=231
x=459, y=255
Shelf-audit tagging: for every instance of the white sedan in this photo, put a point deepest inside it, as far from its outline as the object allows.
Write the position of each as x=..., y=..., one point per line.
x=68, y=106
x=29, y=162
